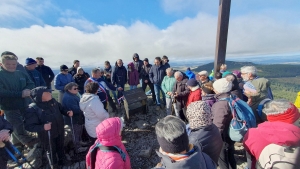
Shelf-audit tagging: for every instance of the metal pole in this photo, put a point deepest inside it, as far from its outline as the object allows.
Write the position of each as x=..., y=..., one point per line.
x=222, y=33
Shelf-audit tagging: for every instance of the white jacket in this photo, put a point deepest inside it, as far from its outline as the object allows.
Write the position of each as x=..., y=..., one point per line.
x=93, y=111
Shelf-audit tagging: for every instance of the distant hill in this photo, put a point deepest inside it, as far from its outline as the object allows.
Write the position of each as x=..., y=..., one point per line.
x=268, y=71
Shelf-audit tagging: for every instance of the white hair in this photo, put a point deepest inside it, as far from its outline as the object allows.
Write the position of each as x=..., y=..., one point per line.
x=249, y=69
x=178, y=74
x=169, y=70
x=276, y=107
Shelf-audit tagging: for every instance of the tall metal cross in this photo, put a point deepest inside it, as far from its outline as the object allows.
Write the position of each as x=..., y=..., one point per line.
x=222, y=33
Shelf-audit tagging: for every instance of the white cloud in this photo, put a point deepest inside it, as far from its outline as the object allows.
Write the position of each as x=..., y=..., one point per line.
x=189, y=38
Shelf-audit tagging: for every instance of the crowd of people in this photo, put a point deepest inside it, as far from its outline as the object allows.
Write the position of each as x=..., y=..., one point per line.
x=194, y=134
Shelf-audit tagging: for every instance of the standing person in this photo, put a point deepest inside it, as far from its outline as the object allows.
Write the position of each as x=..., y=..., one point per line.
x=181, y=93
x=5, y=130
x=190, y=74
x=35, y=75
x=15, y=89
x=208, y=94
x=202, y=77
x=165, y=61
x=45, y=71
x=138, y=64
x=71, y=102
x=93, y=109
x=195, y=91
x=222, y=117
x=146, y=80
x=20, y=67
x=45, y=115
x=167, y=86
x=61, y=80
x=133, y=76
x=156, y=76
x=74, y=68
x=107, y=74
x=80, y=77
x=119, y=76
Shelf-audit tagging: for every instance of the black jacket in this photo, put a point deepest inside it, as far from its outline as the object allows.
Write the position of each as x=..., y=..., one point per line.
x=73, y=71
x=119, y=75
x=145, y=72
x=157, y=74
x=80, y=80
x=46, y=73
x=183, y=93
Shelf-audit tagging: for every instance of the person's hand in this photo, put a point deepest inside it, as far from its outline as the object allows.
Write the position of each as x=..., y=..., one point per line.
x=175, y=94
x=70, y=113
x=4, y=135
x=25, y=93
x=146, y=81
x=120, y=88
x=169, y=93
x=47, y=126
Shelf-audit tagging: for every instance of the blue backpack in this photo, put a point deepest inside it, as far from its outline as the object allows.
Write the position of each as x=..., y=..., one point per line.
x=242, y=118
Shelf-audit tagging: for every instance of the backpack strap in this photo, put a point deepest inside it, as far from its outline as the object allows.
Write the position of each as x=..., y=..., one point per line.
x=261, y=106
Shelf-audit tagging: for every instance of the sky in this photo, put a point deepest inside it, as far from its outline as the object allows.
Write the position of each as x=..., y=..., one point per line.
x=94, y=31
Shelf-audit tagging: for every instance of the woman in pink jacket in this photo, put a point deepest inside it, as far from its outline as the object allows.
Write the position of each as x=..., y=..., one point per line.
x=106, y=147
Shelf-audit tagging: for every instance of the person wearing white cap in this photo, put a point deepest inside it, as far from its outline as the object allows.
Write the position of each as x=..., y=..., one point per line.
x=202, y=77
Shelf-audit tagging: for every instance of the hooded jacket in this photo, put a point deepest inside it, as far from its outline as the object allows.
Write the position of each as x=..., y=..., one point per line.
x=49, y=111
x=93, y=111
x=137, y=64
x=133, y=75
x=108, y=134
x=119, y=75
x=280, y=133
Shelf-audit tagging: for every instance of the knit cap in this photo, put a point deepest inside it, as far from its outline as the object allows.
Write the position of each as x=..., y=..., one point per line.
x=208, y=88
x=237, y=73
x=178, y=145
x=192, y=82
x=63, y=67
x=29, y=61
x=199, y=114
x=291, y=115
x=223, y=85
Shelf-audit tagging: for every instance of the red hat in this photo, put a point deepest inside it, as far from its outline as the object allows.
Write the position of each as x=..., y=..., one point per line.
x=289, y=116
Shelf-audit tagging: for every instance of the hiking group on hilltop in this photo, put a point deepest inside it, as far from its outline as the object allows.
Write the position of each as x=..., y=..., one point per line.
x=206, y=115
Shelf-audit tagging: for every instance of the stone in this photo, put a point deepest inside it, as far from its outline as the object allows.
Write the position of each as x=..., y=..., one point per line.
x=146, y=153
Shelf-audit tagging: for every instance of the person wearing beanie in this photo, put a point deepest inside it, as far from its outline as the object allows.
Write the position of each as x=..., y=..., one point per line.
x=175, y=150
x=195, y=91
x=61, y=80
x=80, y=77
x=282, y=128
x=203, y=133
x=35, y=75
x=222, y=117
x=73, y=70
x=208, y=94
x=189, y=73
x=202, y=77
x=45, y=71
x=146, y=80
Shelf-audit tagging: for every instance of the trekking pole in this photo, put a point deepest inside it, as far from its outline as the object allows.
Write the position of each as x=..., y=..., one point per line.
x=13, y=157
x=72, y=128
x=50, y=154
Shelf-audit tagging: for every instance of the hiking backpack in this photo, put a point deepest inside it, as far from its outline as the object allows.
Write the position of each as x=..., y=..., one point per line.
x=91, y=156
x=274, y=156
x=242, y=118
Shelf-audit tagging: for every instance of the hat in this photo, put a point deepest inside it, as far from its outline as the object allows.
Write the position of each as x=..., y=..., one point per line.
x=223, y=85
x=204, y=72
x=192, y=82
x=39, y=58
x=29, y=61
x=63, y=67
x=37, y=93
x=135, y=55
x=75, y=61
x=291, y=115
x=179, y=144
x=208, y=88
x=199, y=114
x=146, y=59
x=224, y=74
x=237, y=73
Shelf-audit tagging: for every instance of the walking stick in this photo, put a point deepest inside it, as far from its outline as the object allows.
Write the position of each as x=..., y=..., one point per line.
x=50, y=155
x=72, y=128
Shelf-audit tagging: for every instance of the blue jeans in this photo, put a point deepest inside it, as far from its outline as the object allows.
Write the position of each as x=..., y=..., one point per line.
x=132, y=87
x=157, y=89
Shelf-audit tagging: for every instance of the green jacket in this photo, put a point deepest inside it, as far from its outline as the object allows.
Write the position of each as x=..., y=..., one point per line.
x=11, y=86
x=168, y=84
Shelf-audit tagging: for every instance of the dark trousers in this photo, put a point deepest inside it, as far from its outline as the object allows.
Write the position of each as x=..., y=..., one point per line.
x=3, y=158
x=120, y=93
x=57, y=144
x=226, y=159
x=110, y=101
x=144, y=85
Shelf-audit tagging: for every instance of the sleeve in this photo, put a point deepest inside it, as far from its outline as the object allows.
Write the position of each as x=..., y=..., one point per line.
x=72, y=104
x=6, y=124
x=29, y=83
x=43, y=83
x=51, y=74
x=137, y=79
x=163, y=85
x=8, y=93
x=108, y=86
x=184, y=93
x=57, y=83
x=151, y=74
x=99, y=110
x=63, y=110
x=32, y=122
x=126, y=78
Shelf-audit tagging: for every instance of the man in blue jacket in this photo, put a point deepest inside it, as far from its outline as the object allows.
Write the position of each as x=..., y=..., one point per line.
x=35, y=75
x=61, y=80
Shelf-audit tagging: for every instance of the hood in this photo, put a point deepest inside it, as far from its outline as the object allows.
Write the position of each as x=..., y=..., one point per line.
x=131, y=65
x=79, y=69
x=280, y=133
x=108, y=131
x=188, y=72
x=36, y=93
x=135, y=56
x=86, y=99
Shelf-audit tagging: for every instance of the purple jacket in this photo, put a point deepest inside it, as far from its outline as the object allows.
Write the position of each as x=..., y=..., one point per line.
x=133, y=75
x=209, y=99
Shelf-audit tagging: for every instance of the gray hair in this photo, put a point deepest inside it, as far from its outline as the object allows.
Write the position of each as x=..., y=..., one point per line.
x=178, y=74
x=169, y=70
x=278, y=106
x=170, y=128
x=8, y=57
x=249, y=69
x=70, y=85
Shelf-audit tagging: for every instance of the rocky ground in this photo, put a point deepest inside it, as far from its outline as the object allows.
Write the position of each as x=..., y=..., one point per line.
x=140, y=141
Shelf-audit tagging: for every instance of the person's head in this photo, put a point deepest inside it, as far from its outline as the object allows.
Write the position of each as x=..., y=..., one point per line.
x=119, y=63
x=192, y=84
x=39, y=61
x=80, y=71
x=248, y=72
x=96, y=73
x=136, y=57
x=281, y=110
x=64, y=69
x=223, y=68
x=223, y=85
x=101, y=71
x=157, y=61
x=109, y=131
x=218, y=75
x=202, y=76
x=30, y=64
x=91, y=87
x=130, y=66
x=146, y=61
x=171, y=135
x=76, y=63
x=199, y=114
x=41, y=94
x=169, y=72
x=107, y=64
x=207, y=88
x=9, y=61
x=237, y=73
x=165, y=59
x=72, y=87
x=178, y=76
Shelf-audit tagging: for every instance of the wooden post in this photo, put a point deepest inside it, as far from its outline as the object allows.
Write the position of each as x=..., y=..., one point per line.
x=222, y=33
